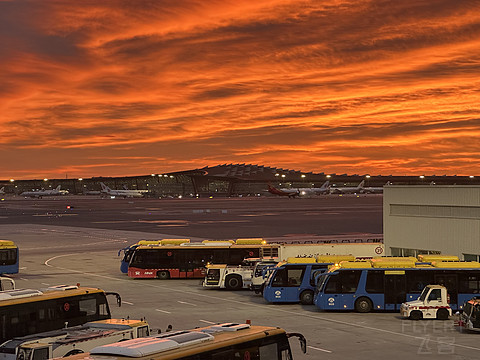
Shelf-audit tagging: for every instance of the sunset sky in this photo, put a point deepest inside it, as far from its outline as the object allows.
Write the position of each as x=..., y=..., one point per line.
x=113, y=88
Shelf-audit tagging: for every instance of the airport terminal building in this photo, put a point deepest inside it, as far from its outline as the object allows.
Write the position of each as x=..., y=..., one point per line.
x=224, y=181
x=432, y=219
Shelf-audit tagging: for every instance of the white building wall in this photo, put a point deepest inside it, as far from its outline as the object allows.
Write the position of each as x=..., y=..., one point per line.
x=436, y=218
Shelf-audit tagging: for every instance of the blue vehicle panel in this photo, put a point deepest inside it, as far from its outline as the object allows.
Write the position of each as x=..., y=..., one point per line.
x=292, y=283
x=9, y=260
x=387, y=289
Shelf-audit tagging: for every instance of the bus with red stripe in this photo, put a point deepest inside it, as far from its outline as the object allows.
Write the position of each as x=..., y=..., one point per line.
x=188, y=260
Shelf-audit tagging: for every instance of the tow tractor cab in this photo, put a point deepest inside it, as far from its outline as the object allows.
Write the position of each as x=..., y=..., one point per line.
x=295, y=279
x=233, y=277
x=469, y=318
x=75, y=340
x=432, y=304
x=222, y=341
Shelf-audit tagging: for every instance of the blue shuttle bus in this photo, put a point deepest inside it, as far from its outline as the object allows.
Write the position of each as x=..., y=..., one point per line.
x=385, y=284
x=294, y=280
x=8, y=257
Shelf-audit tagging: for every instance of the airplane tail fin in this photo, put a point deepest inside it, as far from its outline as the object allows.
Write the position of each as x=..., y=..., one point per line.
x=105, y=188
x=325, y=185
x=361, y=184
x=2, y=189
x=58, y=188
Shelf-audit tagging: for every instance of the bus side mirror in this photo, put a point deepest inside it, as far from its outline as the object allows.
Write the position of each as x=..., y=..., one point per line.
x=117, y=295
x=301, y=338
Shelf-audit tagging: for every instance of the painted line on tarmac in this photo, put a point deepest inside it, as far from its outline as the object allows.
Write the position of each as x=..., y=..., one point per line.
x=163, y=311
x=207, y=322
x=126, y=302
x=316, y=317
x=186, y=303
x=45, y=284
x=315, y=348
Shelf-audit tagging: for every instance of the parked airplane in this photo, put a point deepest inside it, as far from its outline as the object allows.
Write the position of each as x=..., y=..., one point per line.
x=91, y=192
x=347, y=189
x=2, y=190
x=292, y=192
x=42, y=193
x=124, y=193
x=373, y=189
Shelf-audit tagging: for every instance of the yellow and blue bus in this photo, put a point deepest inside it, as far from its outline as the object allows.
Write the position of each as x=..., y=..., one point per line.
x=8, y=257
x=384, y=284
x=216, y=342
x=26, y=311
x=294, y=280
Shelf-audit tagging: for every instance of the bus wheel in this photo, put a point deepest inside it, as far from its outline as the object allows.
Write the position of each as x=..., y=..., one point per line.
x=306, y=297
x=416, y=315
x=442, y=314
x=233, y=282
x=163, y=275
x=363, y=305
x=73, y=352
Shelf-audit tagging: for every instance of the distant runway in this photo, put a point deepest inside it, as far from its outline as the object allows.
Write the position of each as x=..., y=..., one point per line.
x=221, y=218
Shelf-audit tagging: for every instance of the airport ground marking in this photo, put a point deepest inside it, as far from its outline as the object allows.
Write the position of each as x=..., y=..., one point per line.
x=163, y=311
x=316, y=317
x=186, y=303
x=126, y=302
x=319, y=349
x=207, y=322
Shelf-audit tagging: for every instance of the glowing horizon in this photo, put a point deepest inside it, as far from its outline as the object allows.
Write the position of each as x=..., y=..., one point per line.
x=122, y=89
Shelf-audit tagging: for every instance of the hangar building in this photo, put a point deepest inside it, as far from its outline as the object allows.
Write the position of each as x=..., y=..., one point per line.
x=432, y=219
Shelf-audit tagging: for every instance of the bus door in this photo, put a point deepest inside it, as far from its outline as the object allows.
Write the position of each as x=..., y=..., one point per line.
x=450, y=282
x=284, y=285
x=395, y=290
x=340, y=290
x=186, y=265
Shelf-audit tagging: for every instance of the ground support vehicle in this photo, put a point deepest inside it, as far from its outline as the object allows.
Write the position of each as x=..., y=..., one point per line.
x=294, y=280
x=469, y=318
x=232, y=277
x=384, y=284
x=431, y=304
x=72, y=340
x=223, y=341
x=228, y=277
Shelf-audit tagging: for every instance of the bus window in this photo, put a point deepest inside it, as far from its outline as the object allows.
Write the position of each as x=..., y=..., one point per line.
x=417, y=280
x=374, y=284
x=316, y=269
x=280, y=278
x=469, y=283
x=345, y=282
x=294, y=276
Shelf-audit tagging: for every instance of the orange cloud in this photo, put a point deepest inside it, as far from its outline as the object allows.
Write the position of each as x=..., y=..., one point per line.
x=124, y=88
